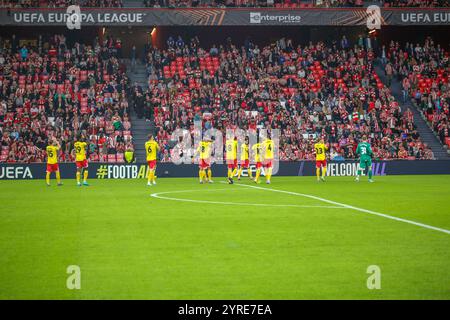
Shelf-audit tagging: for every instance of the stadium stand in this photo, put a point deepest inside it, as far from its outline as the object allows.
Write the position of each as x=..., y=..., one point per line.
x=304, y=91
x=60, y=3
x=425, y=74
x=416, y=3
x=222, y=3
x=294, y=3
x=55, y=89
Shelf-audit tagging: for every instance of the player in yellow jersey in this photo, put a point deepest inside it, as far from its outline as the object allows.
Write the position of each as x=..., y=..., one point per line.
x=268, y=148
x=257, y=150
x=245, y=156
x=52, y=161
x=204, y=149
x=80, y=147
x=231, y=147
x=151, y=148
x=321, y=161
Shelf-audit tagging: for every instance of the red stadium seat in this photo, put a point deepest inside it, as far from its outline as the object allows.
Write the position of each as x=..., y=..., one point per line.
x=111, y=158
x=94, y=157
x=84, y=110
x=120, y=157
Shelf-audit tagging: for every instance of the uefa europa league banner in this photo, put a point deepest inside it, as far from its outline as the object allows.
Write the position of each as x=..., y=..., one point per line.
x=170, y=170
x=223, y=17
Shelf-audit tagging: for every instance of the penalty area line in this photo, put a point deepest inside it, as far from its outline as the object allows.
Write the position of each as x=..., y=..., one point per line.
x=349, y=207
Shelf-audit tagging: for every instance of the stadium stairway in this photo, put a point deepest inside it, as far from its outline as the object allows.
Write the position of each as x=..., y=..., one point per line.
x=140, y=128
x=426, y=133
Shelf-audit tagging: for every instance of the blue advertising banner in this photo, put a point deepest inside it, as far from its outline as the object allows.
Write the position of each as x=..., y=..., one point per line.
x=300, y=168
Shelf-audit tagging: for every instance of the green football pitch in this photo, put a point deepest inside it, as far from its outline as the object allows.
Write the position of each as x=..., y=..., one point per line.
x=293, y=239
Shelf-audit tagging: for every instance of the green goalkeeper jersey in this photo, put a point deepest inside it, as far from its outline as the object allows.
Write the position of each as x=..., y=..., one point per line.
x=364, y=150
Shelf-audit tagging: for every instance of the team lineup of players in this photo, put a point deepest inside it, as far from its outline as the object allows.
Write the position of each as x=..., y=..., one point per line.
x=263, y=153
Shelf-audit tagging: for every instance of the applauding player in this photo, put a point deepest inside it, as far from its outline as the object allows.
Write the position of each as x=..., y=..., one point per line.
x=244, y=163
x=52, y=161
x=80, y=160
x=321, y=161
x=151, y=149
x=257, y=149
x=204, y=149
x=268, y=147
x=231, y=146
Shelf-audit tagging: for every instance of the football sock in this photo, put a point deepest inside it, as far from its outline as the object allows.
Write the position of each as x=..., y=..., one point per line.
x=85, y=175
x=200, y=174
x=234, y=172
x=47, y=177
x=324, y=171
x=359, y=173
x=229, y=173
x=269, y=174
x=239, y=173
x=209, y=174
x=153, y=176
x=58, y=177
x=318, y=173
x=258, y=172
x=78, y=176
x=370, y=174
x=249, y=172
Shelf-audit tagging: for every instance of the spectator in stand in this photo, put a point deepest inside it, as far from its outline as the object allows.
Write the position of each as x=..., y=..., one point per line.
x=133, y=58
x=389, y=73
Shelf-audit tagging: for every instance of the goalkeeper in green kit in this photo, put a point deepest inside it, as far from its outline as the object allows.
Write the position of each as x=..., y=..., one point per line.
x=364, y=150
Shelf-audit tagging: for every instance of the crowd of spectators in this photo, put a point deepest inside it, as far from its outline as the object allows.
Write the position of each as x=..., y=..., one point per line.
x=416, y=3
x=424, y=70
x=60, y=3
x=294, y=3
x=224, y=3
x=52, y=89
x=305, y=91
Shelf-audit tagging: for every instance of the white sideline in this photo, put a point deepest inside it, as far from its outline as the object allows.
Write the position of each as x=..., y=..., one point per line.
x=349, y=207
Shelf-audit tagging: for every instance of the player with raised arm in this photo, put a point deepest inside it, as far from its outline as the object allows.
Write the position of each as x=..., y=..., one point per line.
x=245, y=156
x=81, y=162
x=257, y=150
x=204, y=150
x=231, y=146
x=268, y=147
x=364, y=150
x=52, y=161
x=151, y=149
x=320, y=149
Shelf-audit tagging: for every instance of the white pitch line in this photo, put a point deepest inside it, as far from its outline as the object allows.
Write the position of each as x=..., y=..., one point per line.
x=158, y=195
x=350, y=207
